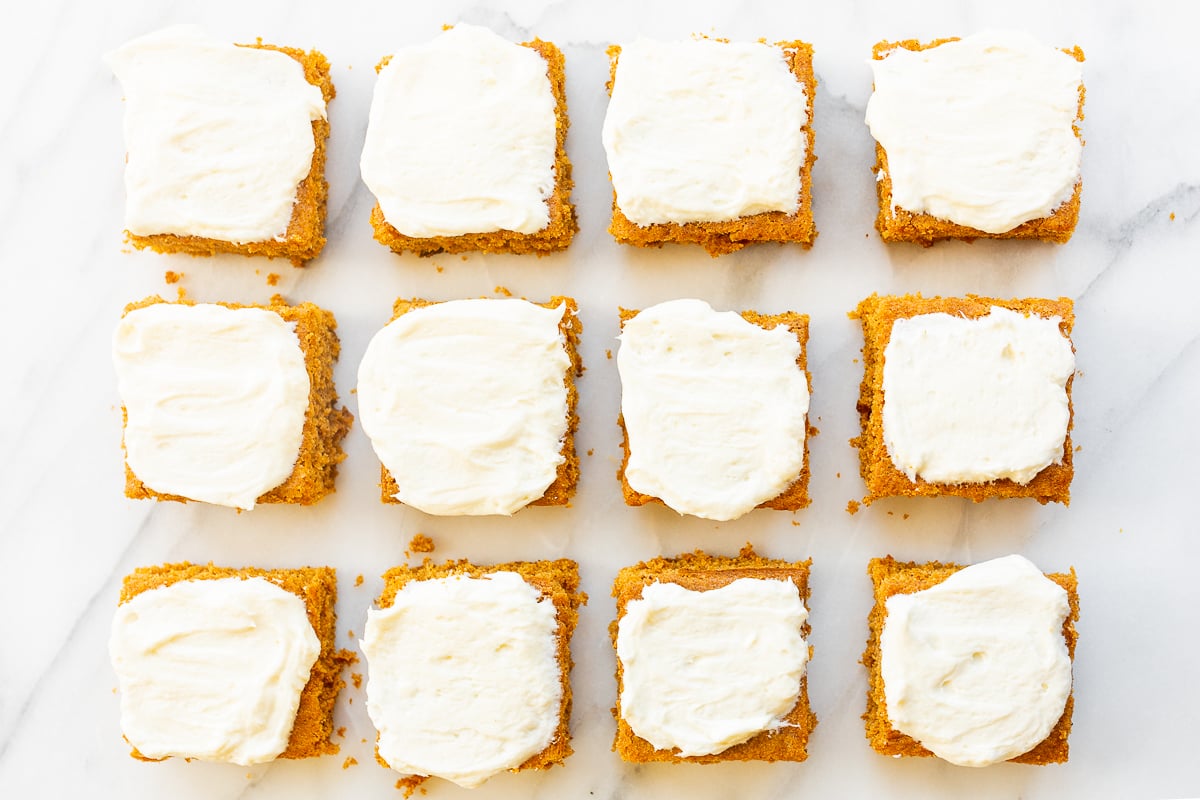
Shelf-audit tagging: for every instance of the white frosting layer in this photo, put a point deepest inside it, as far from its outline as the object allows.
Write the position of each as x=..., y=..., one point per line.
x=703, y=671
x=465, y=404
x=464, y=680
x=219, y=137
x=462, y=137
x=704, y=131
x=215, y=400
x=976, y=668
x=976, y=400
x=715, y=408
x=212, y=669
x=979, y=131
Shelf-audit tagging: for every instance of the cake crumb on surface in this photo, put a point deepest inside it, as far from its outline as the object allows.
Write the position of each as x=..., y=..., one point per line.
x=421, y=544
x=170, y=276
x=272, y=278
x=504, y=290
x=438, y=268
x=358, y=581
x=905, y=516
x=182, y=294
x=356, y=679
x=342, y=731
x=852, y=507
x=350, y=634
x=608, y=354
x=349, y=762
x=411, y=784
x=1172, y=216
x=796, y=523
x=591, y=451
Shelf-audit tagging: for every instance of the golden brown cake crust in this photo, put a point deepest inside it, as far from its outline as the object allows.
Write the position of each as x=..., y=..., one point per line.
x=719, y=238
x=900, y=225
x=795, y=496
x=560, y=492
x=563, y=224
x=890, y=577
x=325, y=425
x=305, y=235
x=877, y=314
x=557, y=581
x=701, y=572
x=317, y=587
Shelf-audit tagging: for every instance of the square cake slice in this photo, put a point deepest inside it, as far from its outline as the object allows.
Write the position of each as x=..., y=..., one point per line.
x=468, y=668
x=466, y=147
x=201, y=650
x=973, y=663
x=471, y=404
x=977, y=138
x=229, y=404
x=966, y=396
x=710, y=142
x=225, y=145
x=712, y=655
x=714, y=409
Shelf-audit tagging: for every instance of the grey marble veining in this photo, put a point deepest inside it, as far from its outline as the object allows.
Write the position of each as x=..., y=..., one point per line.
x=67, y=534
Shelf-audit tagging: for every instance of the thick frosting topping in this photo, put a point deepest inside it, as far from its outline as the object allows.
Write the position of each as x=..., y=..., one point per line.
x=703, y=671
x=704, y=131
x=976, y=400
x=215, y=400
x=212, y=669
x=465, y=404
x=462, y=137
x=715, y=408
x=979, y=131
x=463, y=676
x=218, y=137
x=976, y=668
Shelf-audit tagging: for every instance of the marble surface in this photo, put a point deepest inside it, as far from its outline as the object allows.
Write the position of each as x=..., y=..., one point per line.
x=67, y=534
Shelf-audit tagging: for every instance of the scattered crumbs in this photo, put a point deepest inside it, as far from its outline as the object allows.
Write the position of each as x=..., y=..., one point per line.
x=438, y=268
x=358, y=581
x=502, y=290
x=866, y=236
x=349, y=762
x=350, y=634
x=356, y=679
x=364, y=741
x=410, y=784
x=182, y=293
x=350, y=700
x=421, y=544
x=856, y=361
x=852, y=507
x=272, y=279
x=258, y=272
x=114, y=690
x=591, y=451
x=342, y=732
x=839, y=474
x=1078, y=447
x=608, y=354
x=249, y=776
x=904, y=517
x=891, y=513
x=796, y=523
x=354, y=390
x=464, y=258
x=127, y=250
x=1172, y=216
x=170, y=276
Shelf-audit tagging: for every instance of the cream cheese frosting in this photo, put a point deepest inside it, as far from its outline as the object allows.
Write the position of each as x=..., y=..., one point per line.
x=703, y=671
x=704, y=131
x=464, y=680
x=215, y=400
x=212, y=669
x=462, y=137
x=715, y=408
x=465, y=403
x=218, y=137
x=976, y=400
x=976, y=668
x=979, y=131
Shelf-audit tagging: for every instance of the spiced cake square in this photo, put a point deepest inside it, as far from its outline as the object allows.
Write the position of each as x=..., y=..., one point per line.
x=225, y=145
x=710, y=142
x=977, y=138
x=468, y=668
x=971, y=664
x=714, y=409
x=966, y=396
x=466, y=147
x=231, y=665
x=229, y=404
x=471, y=404
x=711, y=659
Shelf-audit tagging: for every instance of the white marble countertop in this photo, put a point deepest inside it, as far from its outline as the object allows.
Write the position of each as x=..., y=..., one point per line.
x=68, y=535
